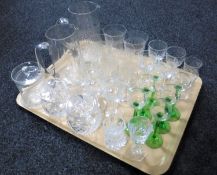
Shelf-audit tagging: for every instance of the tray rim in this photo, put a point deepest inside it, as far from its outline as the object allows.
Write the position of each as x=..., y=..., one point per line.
x=63, y=127
x=147, y=169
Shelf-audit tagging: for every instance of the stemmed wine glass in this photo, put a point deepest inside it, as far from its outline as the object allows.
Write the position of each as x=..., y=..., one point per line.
x=192, y=65
x=155, y=140
x=175, y=56
x=157, y=51
x=139, y=129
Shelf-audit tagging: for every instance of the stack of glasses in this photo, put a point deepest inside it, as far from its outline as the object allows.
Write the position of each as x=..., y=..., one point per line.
x=101, y=72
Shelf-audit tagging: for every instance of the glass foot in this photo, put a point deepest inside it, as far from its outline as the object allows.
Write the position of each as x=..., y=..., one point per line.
x=154, y=140
x=175, y=115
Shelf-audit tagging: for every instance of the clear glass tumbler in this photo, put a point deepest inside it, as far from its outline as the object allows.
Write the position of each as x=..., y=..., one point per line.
x=54, y=95
x=114, y=133
x=84, y=114
x=27, y=78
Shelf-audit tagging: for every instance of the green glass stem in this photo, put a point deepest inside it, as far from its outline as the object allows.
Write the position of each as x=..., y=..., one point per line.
x=147, y=112
x=164, y=127
x=155, y=140
x=178, y=92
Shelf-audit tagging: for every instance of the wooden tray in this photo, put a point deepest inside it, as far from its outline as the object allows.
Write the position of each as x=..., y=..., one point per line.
x=158, y=160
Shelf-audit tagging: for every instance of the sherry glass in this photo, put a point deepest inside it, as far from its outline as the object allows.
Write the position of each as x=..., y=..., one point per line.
x=192, y=65
x=139, y=129
x=171, y=94
x=155, y=140
x=157, y=51
x=175, y=56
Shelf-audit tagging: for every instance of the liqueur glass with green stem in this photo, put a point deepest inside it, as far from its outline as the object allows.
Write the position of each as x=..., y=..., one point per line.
x=136, y=101
x=155, y=140
x=164, y=126
x=149, y=93
x=170, y=104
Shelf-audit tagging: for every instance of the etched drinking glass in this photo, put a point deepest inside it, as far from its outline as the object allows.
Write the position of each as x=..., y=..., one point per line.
x=139, y=129
x=91, y=53
x=114, y=132
x=84, y=115
x=27, y=78
x=54, y=95
x=157, y=51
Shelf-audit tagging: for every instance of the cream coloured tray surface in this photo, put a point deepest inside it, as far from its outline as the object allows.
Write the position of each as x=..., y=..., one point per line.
x=158, y=160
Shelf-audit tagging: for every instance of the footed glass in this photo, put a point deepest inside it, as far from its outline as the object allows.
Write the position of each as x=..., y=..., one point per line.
x=139, y=129
x=155, y=140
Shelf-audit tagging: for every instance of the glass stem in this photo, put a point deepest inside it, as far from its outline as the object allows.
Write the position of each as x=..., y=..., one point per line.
x=155, y=128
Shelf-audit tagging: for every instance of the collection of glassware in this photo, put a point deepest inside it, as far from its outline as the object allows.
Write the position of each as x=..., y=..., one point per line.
x=103, y=72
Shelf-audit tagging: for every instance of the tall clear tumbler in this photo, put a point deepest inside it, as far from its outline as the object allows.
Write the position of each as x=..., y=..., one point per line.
x=61, y=39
